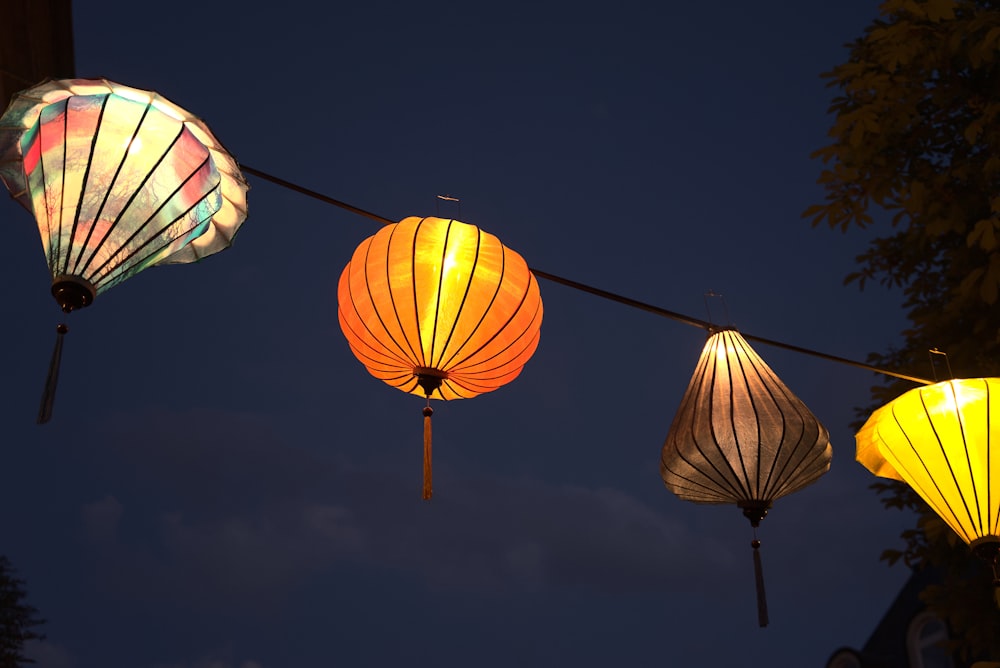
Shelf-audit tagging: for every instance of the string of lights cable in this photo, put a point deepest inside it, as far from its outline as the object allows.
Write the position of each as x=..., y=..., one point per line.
x=598, y=292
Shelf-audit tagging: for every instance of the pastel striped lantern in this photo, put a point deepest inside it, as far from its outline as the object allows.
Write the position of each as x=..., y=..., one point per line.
x=118, y=179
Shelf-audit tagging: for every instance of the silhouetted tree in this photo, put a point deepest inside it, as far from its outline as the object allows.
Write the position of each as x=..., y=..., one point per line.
x=916, y=148
x=18, y=620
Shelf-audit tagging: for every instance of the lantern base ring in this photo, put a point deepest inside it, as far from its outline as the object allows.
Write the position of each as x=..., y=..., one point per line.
x=72, y=292
x=429, y=379
x=987, y=548
x=754, y=511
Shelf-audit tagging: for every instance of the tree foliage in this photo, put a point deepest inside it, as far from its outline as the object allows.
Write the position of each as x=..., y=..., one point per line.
x=915, y=151
x=18, y=620
x=916, y=134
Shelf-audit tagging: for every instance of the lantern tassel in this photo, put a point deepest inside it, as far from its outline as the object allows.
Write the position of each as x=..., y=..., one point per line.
x=996, y=585
x=428, y=486
x=49, y=393
x=758, y=572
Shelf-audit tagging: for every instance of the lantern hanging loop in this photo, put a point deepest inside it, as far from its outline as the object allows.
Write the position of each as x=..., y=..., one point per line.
x=708, y=308
x=448, y=198
x=930, y=356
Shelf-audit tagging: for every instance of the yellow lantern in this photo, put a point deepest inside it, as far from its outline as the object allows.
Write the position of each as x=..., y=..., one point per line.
x=440, y=309
x=943, y=440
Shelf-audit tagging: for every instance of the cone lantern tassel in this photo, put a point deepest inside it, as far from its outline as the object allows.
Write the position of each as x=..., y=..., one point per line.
x=758, y=572
x=428, y=476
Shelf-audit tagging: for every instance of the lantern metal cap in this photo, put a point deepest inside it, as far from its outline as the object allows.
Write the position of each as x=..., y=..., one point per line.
x=429, y=379
x=987, y=548
x=73, y=292
x=755, y=511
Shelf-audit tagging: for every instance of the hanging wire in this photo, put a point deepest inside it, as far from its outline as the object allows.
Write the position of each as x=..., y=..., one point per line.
x=315, y=195
x=597, y=292
x=18, y=77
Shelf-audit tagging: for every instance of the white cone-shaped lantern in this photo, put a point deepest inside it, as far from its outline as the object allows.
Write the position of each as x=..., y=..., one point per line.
x=740, y=436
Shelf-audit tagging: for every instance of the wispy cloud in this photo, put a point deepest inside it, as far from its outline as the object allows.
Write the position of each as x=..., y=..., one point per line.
x=212, y=662
x=254, y=518
x=48, y=655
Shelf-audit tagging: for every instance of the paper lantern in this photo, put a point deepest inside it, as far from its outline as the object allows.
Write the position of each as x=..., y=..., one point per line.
x=943, y=440
x=740, y=436
x=118, y=180
x=440, y=309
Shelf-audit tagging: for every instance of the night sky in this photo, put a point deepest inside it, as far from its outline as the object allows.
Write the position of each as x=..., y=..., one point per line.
x=223, y=485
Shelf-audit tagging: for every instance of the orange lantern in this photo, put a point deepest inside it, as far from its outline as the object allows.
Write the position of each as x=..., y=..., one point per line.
x=441, y=309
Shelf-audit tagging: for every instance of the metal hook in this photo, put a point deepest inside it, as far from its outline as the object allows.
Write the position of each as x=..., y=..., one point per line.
x=449, y=198
x=725, y=307
x=930, y=356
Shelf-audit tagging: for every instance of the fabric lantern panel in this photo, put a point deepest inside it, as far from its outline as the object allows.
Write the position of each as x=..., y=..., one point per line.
x=943, y=440
x=118, y=180
x=740, y=436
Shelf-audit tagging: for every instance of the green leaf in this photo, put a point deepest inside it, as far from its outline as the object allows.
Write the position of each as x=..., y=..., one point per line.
x=983, y=234
x=940, y=10
x=990, y=287
x=914, y=148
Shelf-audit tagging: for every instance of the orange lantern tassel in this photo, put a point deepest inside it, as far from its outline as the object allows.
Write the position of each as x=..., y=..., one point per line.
x=428, y=486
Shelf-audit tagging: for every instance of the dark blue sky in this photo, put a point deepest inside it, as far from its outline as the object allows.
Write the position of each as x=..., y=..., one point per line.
x=223, y=484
